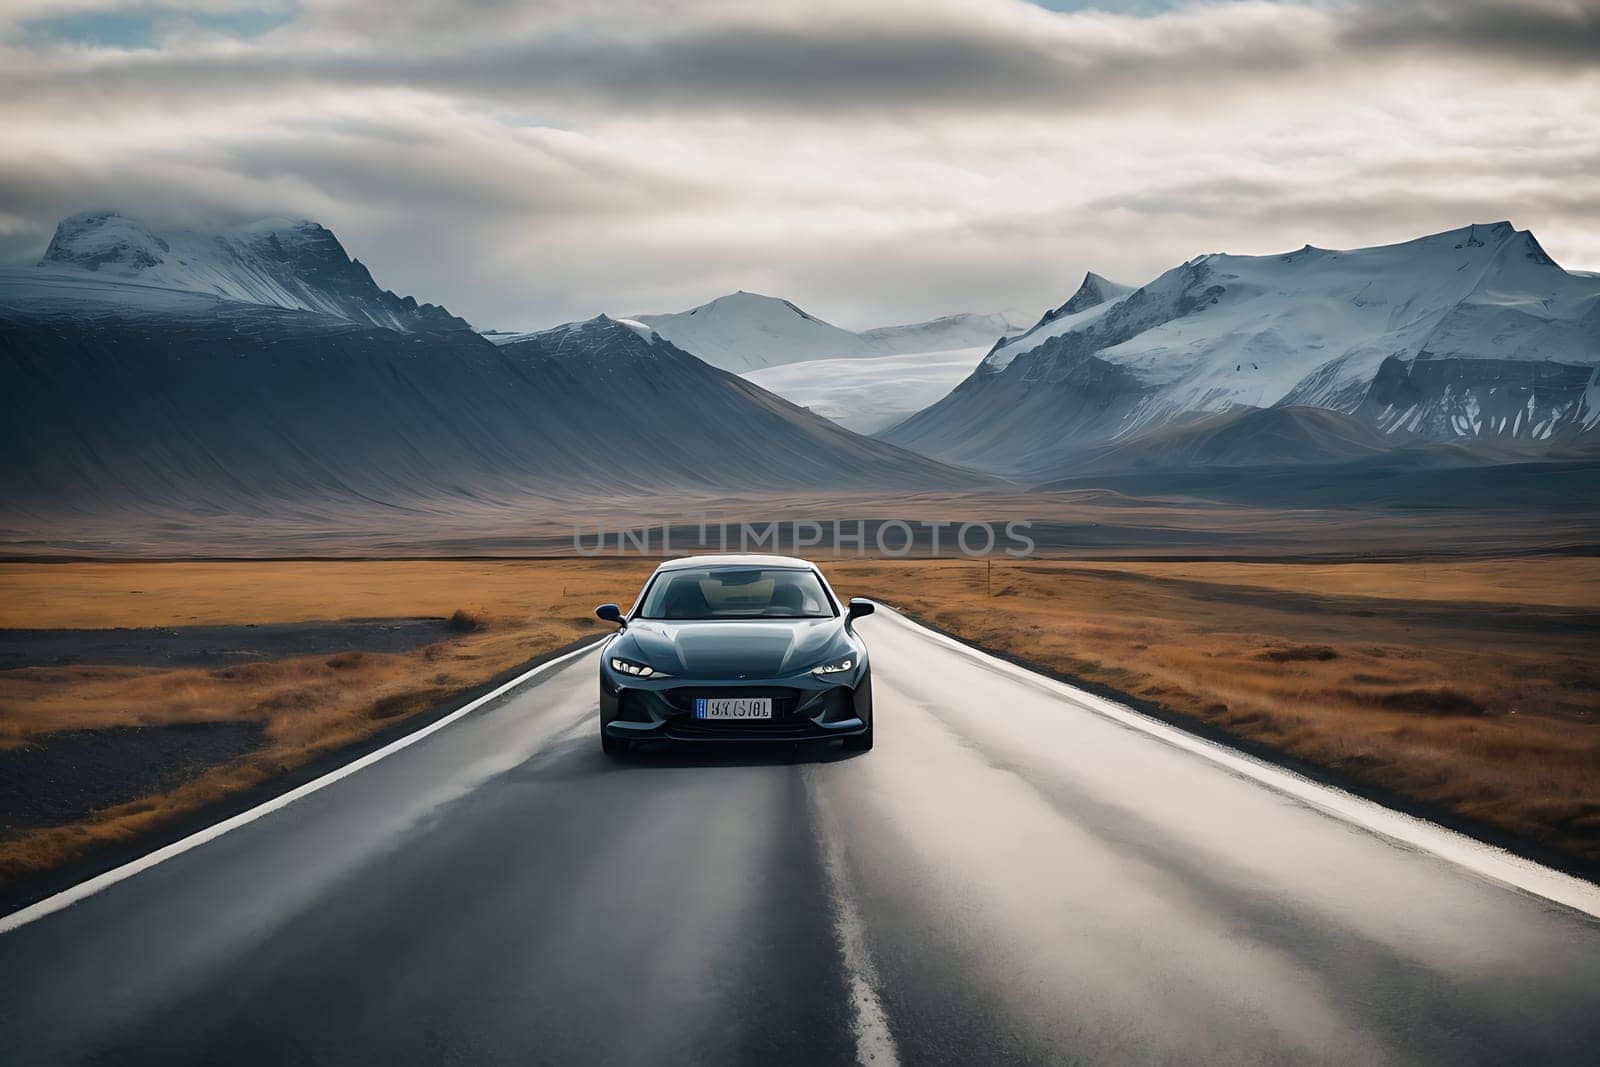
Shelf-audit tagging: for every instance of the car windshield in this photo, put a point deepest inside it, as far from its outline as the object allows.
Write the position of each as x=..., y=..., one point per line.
x=737, y=593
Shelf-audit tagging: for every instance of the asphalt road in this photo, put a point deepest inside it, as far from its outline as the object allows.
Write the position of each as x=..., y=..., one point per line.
x=1016, y=873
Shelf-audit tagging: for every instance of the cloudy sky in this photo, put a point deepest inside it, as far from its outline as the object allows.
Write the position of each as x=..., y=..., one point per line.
x=872, y=160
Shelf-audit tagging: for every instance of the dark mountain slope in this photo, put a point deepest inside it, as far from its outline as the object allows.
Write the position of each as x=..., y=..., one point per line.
x=223, y=407
x=1242, y=437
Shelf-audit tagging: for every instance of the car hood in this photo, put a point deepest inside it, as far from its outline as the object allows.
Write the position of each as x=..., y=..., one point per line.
x=757, y=648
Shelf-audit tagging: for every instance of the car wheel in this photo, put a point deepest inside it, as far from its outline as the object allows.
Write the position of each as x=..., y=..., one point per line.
x=613, y=746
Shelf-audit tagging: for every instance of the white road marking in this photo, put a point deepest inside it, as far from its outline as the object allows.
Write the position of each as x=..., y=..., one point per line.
x=94, y=885
x=874, y=1043
x=873, y=1036
x=1467, y=852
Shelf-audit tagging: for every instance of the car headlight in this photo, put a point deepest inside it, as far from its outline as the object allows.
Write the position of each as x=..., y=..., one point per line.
x=838, y=666
x=627, y=666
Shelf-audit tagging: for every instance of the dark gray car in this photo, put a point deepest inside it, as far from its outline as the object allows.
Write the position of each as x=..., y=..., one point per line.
x=735, y=648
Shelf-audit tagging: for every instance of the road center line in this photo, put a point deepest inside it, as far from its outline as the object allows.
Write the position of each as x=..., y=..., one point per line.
x=875, y=1045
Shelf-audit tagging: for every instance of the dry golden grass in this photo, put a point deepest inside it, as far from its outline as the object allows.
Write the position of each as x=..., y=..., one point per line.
x=508, y=613
x=1563, y=582
x=98, y=595
x=1487, y=712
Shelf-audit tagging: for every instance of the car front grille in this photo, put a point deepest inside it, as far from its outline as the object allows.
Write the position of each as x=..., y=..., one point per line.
x=786, y=719
x=688, y=729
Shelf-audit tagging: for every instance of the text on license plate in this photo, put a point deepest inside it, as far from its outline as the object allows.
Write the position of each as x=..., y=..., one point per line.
x=733, y=708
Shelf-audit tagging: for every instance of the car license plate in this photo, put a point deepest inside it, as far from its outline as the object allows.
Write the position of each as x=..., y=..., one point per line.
x=733, y=708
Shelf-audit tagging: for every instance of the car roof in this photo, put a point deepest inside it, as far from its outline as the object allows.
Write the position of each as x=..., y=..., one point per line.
x=734, y=560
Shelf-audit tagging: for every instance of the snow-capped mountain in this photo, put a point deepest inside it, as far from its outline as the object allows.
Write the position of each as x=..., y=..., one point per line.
x=872, y=393
x=679, y=421
x=283, y=263
x=744, y=332
x=1094, y=295
x=951, y=333
x=1466, y=334
x=866, y=380
x=182, y=404
x=567, y=334
x=1094, y=291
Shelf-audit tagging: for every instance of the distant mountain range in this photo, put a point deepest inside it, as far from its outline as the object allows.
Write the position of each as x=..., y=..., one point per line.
x=149, y=376
x=284, y=263
x=1469, y=336
x=744, y=332
x=869, y=395
x=865, y=381
x=264, y=371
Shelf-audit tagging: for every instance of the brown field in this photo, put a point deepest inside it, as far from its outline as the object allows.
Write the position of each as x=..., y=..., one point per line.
x=1570, y=582
x=1077, y=524
x=309, y=705
x=93, y=595
x=1469, y=686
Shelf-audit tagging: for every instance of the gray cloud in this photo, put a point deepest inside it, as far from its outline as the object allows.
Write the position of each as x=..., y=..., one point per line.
x=874, y=161
x=1543, y=33
x=729, y=67
x=865, y=60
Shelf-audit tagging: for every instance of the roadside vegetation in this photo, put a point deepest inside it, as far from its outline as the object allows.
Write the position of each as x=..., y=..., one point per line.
x=1472, y=688
x=1469, y=688
x=494, y=616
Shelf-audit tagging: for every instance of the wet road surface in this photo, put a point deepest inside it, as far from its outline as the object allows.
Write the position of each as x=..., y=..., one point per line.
x=1013, y=874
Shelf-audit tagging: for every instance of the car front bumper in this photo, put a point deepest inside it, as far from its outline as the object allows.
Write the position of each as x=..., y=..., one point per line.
x=805, y=708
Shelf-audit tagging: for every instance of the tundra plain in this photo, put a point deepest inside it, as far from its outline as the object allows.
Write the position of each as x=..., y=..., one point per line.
x=1467, y=690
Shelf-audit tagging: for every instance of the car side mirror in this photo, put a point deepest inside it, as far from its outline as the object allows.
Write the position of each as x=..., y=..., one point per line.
x=860, y=606
x=610, y=613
